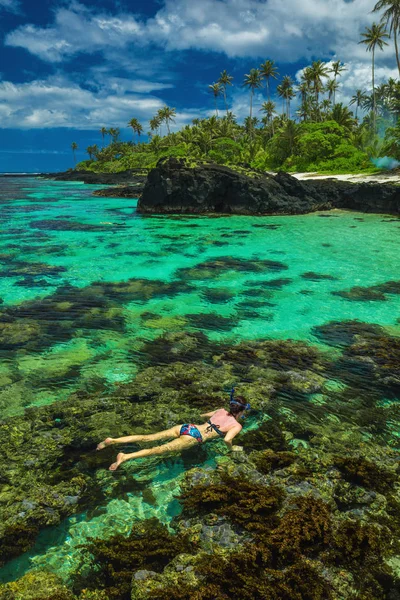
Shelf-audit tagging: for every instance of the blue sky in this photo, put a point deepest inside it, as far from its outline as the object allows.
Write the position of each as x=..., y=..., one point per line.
x=70, y=67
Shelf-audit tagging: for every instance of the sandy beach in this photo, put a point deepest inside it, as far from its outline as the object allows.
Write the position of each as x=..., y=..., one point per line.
x=385, y=177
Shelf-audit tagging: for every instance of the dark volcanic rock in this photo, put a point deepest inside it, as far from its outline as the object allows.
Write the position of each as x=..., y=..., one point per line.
x=172, y=187
x=130, y=176
x=125, y=191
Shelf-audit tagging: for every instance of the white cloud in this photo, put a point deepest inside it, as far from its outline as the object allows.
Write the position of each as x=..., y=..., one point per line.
x=59, y=103
x=140, y=86
x=10, y=5
x=286, y=30
x=75, y=29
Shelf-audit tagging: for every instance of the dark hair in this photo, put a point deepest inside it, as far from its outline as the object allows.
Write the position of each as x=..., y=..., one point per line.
x=235, y=409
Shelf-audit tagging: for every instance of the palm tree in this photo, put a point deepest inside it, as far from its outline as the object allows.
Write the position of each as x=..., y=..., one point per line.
x=268, y=108
x=216, y=89
x=252, y=81
x=331, y=87
x=167, y=114
x=250, y=124
x=305, y=110
x=287, y=92
x=136, y=127
x=343, y=116
x=280, y=90
x=290, y=135
x=318, y=70
x=74, y=148
x=104, y=132
x=303, y=90
x=115, y=132
x=337, y=70
x=391, y=17
x=374, y=36
x=92, y=151
x=268, y=71
x=358, y=99
x=224, y=80
x=155, y=124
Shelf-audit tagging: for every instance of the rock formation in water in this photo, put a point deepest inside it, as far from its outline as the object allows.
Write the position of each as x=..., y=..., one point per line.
x=129, y=177
x=174, y=187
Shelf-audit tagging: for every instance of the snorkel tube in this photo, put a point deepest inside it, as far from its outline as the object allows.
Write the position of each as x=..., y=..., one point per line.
x=233, y=401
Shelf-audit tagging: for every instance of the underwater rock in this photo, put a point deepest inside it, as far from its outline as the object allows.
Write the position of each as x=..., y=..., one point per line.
x=360, y=471
x=64, y=225
x=88, y=177
x=379, y=355
x=175, y=187
x=18, y=334
x=344, y=333
x=148, y=548
x=311, y=276
x=361, y=294
x=36, y=585
x=218, y=295
x=122, y=191
x=375, y=292
x=211, y=321
x=215, y=268
x=18, y=268
x=177, y=346
x=37, y=324
x=57, y=364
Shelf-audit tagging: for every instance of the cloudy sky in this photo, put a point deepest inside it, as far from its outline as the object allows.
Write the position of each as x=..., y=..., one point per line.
x=70, y=67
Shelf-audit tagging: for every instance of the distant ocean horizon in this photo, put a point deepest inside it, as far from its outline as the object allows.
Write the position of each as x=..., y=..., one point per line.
x=11, y=173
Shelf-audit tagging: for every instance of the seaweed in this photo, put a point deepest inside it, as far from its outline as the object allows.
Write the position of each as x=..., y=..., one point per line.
x=361, y=471
x=268, y=435
x=246, y=575
x=250, y=505
x=149, y=546
x=269, y=460
x=343, y=333
x=218, y=295
x=215, y=268
x=211, y=321
x=312, y=276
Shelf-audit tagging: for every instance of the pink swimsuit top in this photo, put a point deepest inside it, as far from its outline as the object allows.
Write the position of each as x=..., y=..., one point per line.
x=224, y=420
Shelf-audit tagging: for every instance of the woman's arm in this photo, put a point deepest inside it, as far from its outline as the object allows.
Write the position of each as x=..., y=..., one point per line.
x=232, y=433
x=209, y=414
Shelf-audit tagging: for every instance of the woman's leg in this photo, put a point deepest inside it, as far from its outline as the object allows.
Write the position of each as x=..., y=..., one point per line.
x=152, y=437
x=176, y=445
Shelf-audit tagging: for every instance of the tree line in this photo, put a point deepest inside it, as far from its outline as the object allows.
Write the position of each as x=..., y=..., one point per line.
x=317, y=89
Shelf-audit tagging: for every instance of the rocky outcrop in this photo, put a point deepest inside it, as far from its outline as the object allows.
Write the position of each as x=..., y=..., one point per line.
x=121, y=191
x=173, y=187
x=126, y=177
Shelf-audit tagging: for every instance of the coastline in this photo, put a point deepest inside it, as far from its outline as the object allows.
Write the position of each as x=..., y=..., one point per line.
x=383, y=177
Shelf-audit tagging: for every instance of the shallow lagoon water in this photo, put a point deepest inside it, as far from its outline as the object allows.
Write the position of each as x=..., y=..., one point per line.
x=233, y=278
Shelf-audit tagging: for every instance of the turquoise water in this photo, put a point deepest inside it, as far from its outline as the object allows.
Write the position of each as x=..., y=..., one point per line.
x=233, y=278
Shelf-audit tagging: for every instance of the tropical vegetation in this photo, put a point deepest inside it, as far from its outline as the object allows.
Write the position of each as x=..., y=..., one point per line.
x=321, y=134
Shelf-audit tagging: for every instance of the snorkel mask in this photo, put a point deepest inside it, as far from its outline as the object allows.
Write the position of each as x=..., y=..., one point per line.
x=233, y=401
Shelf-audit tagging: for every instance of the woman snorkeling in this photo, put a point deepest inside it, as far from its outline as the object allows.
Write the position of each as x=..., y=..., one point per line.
x=223, y=423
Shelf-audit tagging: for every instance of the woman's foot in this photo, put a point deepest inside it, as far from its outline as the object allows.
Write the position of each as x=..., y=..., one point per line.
x=120, y=459
x=104, y=444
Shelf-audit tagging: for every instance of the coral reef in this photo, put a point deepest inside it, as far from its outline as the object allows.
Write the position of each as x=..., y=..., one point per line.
x=149, y=546
x=214, y=269
x=360, y=471
x=299, y=515
x=374, y=292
